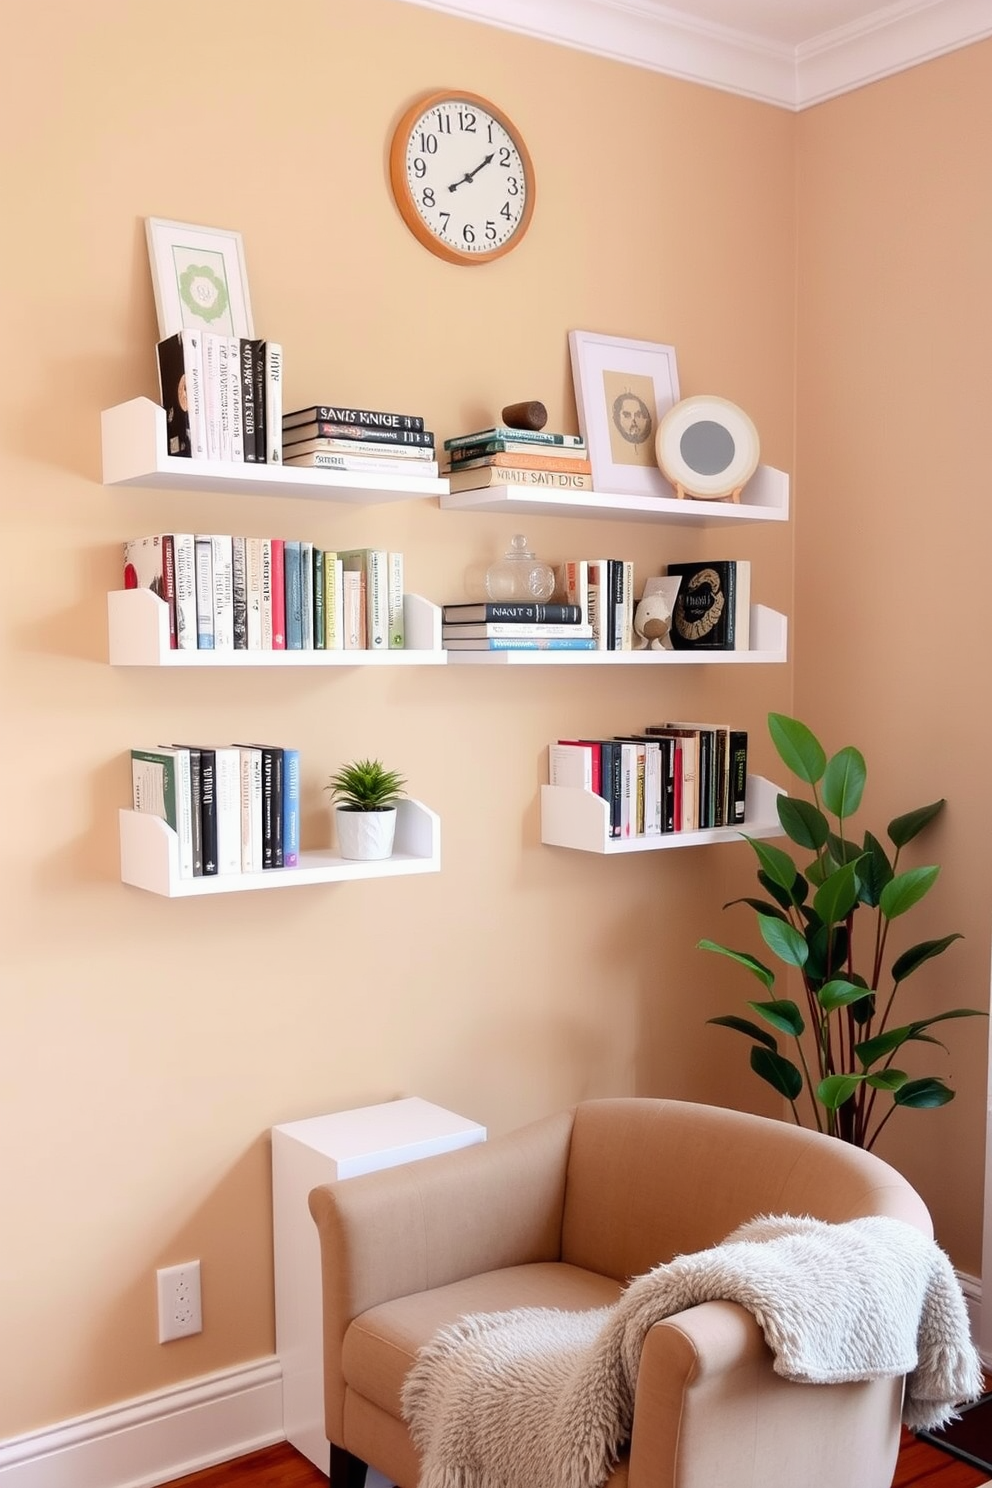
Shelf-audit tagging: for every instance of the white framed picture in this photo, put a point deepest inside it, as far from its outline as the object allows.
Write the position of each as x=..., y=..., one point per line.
x=199, y=278
x=623, y=389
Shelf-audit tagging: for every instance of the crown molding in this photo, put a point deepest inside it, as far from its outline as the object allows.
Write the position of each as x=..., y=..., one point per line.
x=661, y=38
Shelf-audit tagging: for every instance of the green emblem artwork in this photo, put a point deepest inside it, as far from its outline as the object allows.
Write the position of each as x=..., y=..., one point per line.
x=203, y=292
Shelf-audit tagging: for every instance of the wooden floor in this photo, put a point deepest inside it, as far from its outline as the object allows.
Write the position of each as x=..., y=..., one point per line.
x=920, y=1466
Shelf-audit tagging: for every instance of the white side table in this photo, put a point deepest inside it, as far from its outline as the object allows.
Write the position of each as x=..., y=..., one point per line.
x=305, y=1154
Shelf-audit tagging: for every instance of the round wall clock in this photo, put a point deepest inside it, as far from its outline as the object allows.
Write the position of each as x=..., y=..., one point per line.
x=708, y=448
x=462, y=177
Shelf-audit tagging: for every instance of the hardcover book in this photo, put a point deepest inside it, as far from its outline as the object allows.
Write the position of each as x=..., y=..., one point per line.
x=539, y=461
x=478, y=476
x=362, y=433
x=227, y=808
x=713, y=606
x=173, y=394
x=204, y=592
x=519, y=436
x=291, y=808
x=246, y=351
x=273, y=402
x=488, y=610
x=149, y=563
x=366, y=464
x=337, y=413
x=514, y=643
x=524, y=629
x=532, y=454
x=160, y=784
x=357, y=449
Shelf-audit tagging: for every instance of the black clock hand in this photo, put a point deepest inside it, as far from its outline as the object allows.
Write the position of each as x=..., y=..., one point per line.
x=469, y=175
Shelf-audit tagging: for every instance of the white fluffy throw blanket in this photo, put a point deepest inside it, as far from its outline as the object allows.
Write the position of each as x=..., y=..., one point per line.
x=537, y=1396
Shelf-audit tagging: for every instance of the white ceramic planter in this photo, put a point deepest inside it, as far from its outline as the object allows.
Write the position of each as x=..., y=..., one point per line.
x=365, y=834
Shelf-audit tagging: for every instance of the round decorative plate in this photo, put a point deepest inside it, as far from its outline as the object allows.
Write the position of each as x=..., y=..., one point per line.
x=707, y=447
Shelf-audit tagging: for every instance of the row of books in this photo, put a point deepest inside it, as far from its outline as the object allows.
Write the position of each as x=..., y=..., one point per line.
x=712, y=608
x=326, y=436
x=502, y=455
x=670, y=777
x=270, y=594
x=234, y=809
x=222, y=397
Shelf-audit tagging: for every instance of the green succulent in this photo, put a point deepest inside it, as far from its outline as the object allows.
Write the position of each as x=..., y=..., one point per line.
x=844, y=1042
x=366, y=785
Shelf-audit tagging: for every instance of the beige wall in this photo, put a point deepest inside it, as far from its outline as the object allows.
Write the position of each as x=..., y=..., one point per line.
x=893, y=526
x=149, y=1045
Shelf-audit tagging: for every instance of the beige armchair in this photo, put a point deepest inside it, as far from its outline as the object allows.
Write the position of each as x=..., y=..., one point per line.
x=561, y=1214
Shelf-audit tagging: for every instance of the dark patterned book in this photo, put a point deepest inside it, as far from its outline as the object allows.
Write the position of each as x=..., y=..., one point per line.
x=713, y=606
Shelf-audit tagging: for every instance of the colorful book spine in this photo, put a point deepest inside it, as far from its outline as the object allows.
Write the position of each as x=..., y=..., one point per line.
x=278, y=594
x=293, y=578
x=511, y=643
x=291, y=808
x=519, y=436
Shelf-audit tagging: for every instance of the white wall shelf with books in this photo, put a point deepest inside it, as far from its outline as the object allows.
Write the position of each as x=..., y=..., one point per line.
x=150, y=858
x=580, y=819
x=138, y=635
x=135, y=453
x=769, y=643
x=765, y=499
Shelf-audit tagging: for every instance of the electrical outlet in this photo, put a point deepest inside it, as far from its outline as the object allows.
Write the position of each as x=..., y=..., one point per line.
x=179, y=1311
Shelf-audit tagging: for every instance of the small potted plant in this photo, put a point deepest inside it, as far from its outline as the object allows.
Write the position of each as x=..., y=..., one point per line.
x=365, y=794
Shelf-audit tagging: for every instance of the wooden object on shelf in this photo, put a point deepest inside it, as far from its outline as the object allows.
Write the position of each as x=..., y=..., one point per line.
x=150, y=858
x=138, y=635
x=135, y=453
x=531, y=415
x=769, y=644
x=765, y=499
x=580, y=819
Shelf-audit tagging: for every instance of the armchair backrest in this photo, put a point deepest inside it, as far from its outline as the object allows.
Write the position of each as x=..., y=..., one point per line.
x=650, y=1179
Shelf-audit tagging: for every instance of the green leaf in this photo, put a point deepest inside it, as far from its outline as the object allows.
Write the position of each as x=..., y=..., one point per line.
x=827, y=952
x=884, y=1043
x=923, y=1095
x=749, y=962
x=907, y=963
x=839, y=993
x=874, y=870
x=844, y=782
x=820, y=870
x=780, y=1073
x=744, y=1025
x=783, y=1015
x=777, y=864
x=803, y=822
x=890, y=1079
x=787, y=943
x=797, y=894
x=905, y=890
x=836, y=1089
x=799, y=749
x=837, y=895
x=903, y=829
x=841, y=850
x=760, y=906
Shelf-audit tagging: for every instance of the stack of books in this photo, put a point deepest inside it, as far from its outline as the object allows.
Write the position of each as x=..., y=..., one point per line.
x=497, y=626
x=270, y=594
x=502, y=456
x=233, y=808
x=327, y=436
x=222, y=397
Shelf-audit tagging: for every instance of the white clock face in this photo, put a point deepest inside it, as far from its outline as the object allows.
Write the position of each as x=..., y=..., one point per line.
x=467, y=180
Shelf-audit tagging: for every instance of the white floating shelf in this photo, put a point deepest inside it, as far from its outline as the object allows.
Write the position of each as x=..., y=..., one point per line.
x=769, y=643
x=765, y=499
x=150, y=858
x=135, y=453
x=580, y=819
x=138, y=635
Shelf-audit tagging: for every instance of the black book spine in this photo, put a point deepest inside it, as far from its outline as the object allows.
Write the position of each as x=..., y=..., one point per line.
x=172, y=386
x=737, y=777
x=704, y=780
x=278, y=855
x=296, y=433
x=337, y=414
x=542, y=614
x=246, y=369
x=258, y=386
x=614, y=608
x=196, y=796
x=208, y=809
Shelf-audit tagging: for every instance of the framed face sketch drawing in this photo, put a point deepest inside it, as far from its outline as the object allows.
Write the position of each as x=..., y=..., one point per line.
x=623, y=389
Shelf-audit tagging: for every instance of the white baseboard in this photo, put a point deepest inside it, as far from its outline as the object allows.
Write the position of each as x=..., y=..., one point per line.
x=154, y=1438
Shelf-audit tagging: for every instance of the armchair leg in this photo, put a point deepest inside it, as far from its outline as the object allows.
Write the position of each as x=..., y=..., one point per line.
x=346, y=1470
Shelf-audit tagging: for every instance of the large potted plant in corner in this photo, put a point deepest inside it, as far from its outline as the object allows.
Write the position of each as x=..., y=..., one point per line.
x=829, y=923
x=365, y=794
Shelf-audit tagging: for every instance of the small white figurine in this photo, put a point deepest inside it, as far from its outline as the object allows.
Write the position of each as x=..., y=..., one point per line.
x=653, y=616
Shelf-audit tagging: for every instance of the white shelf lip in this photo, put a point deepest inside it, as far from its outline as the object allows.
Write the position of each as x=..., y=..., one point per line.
x=580, y=819
x=769, y=637
x=150, y=858
x=135, y=453
x=765, y=499
x=138, y=635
